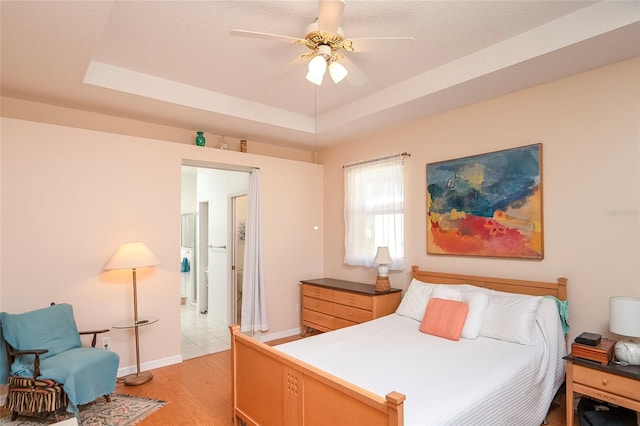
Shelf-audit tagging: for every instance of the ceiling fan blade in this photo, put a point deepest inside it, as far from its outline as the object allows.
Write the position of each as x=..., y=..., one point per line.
x=356, y=77
x=330, y=15
x=298, y=63
x=380, y=43
x=264, y=36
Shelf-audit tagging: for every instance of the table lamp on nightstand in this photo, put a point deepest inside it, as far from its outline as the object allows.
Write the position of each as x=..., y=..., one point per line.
x=624, y=319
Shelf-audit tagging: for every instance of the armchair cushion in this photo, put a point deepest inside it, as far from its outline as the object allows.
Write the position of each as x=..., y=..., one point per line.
x=85, y=372
x=25, y=395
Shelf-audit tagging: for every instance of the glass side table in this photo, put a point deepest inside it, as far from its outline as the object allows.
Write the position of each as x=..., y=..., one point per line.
x=130, y=324
x=139, y=377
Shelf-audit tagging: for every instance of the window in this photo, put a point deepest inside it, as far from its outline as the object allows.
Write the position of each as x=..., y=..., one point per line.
x=374, y=211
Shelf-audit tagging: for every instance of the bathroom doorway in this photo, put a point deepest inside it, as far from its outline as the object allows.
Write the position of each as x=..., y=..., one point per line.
x=204, y=322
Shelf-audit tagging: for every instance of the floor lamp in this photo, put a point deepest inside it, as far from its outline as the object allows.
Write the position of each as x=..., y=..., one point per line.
x=132, y=256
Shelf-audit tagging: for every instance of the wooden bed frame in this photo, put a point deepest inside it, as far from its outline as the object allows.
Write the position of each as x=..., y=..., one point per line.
x=272, y=388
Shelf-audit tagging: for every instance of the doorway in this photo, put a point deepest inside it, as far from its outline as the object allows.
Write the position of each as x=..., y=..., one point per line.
x=218, y=257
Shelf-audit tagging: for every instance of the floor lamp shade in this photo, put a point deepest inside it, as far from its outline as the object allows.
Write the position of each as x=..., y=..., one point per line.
x=131, y=256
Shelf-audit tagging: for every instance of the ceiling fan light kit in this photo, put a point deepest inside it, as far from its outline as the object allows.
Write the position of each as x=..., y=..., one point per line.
x=325, y=37
x=318, y=66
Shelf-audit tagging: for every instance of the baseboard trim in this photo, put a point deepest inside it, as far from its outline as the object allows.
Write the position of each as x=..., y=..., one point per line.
x=279, y=335
x=176, y=359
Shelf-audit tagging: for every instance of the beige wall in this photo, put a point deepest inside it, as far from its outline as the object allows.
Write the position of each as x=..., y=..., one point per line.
x=71, y=196
x=589, y=125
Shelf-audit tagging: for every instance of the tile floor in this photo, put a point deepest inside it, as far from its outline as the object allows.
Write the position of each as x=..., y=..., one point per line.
x=201, y=334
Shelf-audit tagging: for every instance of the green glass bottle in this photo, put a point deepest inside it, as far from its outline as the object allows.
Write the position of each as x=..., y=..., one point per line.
x=200, y=139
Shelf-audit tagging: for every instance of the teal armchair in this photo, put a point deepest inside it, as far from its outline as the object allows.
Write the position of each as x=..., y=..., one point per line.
x=49, y=367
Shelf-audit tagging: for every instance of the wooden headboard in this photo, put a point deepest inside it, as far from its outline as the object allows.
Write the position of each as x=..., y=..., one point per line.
x=535, y=288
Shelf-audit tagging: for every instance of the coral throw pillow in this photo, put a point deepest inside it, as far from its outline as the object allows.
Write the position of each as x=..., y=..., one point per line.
x=444, y=318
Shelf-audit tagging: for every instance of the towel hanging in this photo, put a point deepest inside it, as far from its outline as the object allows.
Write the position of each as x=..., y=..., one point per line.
x=185, y=265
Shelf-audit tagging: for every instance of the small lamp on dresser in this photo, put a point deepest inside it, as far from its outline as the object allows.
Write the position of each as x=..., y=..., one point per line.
x=383, y=258
x=624, y=319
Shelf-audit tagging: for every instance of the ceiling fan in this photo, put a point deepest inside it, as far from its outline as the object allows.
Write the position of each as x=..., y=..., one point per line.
x=325, y=39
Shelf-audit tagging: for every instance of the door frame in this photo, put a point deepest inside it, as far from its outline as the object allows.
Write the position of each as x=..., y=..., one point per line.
x=231, y=267
x=202, y=279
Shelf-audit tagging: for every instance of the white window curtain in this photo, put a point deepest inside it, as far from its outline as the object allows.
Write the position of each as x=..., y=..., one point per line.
x=254, y=304
x=374, y=211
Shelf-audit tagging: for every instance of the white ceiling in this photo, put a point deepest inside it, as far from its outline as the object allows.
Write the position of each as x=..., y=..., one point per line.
x=174, y=62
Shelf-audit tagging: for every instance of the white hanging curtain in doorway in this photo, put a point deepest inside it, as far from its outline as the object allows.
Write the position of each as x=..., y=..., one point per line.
x=254, y=305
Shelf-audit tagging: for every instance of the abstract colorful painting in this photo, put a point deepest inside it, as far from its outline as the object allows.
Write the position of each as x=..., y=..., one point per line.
x=487, y=205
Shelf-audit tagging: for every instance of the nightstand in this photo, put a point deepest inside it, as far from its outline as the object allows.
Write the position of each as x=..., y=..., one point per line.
x=619, y=385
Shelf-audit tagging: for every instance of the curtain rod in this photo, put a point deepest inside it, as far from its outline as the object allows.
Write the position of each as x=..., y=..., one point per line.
x=388, y=157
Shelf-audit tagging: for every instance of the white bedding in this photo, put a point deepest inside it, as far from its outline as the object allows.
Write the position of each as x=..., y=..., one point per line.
x=467, y=382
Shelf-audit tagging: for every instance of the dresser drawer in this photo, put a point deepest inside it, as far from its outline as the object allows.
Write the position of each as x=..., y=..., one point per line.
x=608, y=382
x=352, y=299
x=318, y=318
x=342, y=323
x=317, y=292
x=352, y=314
x=318, y=305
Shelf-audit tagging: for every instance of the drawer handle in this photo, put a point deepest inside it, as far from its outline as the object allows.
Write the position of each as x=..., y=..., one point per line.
x=604, y=382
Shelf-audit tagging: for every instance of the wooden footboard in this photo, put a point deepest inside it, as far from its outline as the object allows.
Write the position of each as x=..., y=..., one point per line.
x=272, y=388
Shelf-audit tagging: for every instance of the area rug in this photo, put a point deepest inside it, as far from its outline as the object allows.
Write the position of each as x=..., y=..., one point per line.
x=123, y=410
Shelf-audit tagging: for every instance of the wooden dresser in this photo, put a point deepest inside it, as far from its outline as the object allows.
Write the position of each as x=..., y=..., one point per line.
x=329, y=304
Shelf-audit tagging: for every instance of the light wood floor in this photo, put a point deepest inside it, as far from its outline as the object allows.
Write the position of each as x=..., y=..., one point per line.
x=198, y=391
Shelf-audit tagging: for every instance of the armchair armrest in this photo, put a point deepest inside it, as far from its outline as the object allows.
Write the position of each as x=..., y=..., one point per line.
x=36, y=362
x=95, y=335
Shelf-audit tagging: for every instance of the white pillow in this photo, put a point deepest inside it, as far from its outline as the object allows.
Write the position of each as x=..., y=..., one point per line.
x=511, y=318
x=478, y=303
x=443, y=291
x=414, y=301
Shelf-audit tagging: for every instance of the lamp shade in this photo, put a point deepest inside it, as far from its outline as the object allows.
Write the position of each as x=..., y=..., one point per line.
x=624, y=316
x=383, y=257
x=337, y=72
x=317, y=68
x=131, y=255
